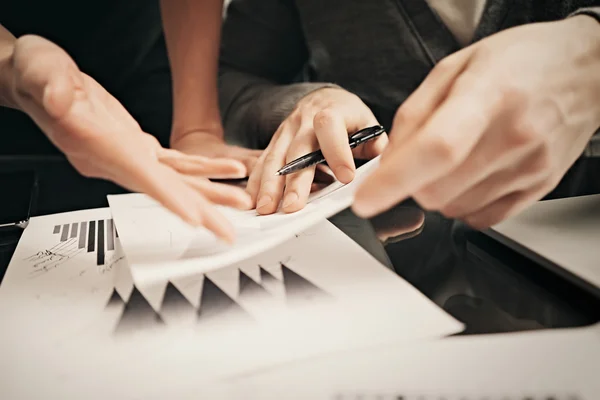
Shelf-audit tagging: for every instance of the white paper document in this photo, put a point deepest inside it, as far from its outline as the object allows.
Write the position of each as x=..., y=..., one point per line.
x=543, y=365
x=74, y=324
x=159, y=245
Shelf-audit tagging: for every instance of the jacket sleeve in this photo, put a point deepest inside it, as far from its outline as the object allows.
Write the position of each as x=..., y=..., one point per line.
x=263, y=51
x=593, y=12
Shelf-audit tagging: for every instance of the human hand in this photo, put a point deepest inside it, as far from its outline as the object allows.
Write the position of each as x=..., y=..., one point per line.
x=211, y=144
x=101, y=139
x=322, y=119
x=495, y=126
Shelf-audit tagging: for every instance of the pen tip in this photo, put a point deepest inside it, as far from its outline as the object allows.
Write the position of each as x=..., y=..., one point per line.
x=277, y=173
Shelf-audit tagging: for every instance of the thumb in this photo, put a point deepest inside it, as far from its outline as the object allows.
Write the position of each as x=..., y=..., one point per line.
x=45, y=76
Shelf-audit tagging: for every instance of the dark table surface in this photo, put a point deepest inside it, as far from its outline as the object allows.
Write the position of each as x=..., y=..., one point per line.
x=479, y=281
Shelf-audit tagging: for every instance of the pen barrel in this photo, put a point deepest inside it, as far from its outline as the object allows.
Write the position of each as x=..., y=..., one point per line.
x=309, y=160
x=317, y=157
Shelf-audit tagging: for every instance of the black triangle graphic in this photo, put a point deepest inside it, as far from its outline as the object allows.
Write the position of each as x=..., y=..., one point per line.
x=138, y=314
x=298, y=288
x=249, y=288
x=174, y=301
x=115, y=299
x=214, y=302
x=266, y=276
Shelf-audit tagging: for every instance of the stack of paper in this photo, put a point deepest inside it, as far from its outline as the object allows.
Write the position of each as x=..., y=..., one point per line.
x=160, y=246
x=75, y=325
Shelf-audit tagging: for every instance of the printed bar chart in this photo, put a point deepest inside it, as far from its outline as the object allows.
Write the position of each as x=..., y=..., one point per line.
x=91, y=237
x=82, y=233
x=100, y=252
x=65, y=233
x=98, y=236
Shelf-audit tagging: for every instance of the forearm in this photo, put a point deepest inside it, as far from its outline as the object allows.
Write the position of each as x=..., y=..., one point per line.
x=192, y=31
x=7, y=45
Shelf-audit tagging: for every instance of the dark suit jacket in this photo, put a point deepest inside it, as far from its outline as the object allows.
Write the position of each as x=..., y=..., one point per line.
x=276, y=51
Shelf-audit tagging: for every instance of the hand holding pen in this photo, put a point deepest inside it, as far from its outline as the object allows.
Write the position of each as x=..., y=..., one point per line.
x=322, y=121
x=317, y=157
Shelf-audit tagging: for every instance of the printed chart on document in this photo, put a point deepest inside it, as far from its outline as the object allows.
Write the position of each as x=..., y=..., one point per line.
x=69, y=299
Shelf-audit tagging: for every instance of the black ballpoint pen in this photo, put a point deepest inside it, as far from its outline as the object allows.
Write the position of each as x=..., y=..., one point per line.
x=316, y=157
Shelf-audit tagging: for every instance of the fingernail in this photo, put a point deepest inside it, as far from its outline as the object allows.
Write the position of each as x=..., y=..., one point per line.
x=263, y=201
x=344, y=174
x=290, y=199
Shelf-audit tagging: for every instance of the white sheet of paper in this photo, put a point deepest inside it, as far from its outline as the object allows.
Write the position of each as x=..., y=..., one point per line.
x=159, y=245
x=558, y=364
x=63, y=337
x=564, y=231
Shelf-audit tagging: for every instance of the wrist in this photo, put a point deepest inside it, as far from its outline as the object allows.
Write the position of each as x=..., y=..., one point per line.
x=319, y=92
x=193, y=116
x=213, y=130
x=587, y=39
x=588, y=31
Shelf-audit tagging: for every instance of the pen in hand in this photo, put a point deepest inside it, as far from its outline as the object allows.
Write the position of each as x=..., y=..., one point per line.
x=316, y=157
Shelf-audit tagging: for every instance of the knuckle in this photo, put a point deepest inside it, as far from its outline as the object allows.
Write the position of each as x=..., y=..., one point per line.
x=442, y=150
x=293, y=117
x=324, y=118
x=310, y=100
x=297, y=116
x=542, y=164
x=525, y=132
x=445, y=66
x=484, y=53
x=408, y=112
x=512, y=93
